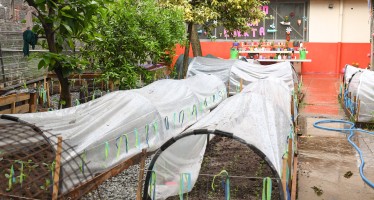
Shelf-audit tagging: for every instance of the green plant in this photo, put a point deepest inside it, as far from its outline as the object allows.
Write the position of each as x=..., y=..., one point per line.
x=260, y=42
x=11, y=178
x=46, y=185
x=23, y=21
x=30, y=165
x=130, y=32
x=22, y=175
x=50, y=167
x=62, y=103
x=24, y=85
x=215, y=13
x=286, y=18
x=63, y=23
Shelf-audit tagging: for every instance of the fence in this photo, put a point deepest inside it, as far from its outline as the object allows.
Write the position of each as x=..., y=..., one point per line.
x=18, y=103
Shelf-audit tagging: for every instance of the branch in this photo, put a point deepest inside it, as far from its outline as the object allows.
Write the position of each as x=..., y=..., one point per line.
x=39, y=16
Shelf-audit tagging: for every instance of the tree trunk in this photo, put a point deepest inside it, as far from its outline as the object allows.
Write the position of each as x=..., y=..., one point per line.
x=186, y=52
x=65, y=97
x=65, y=86
x=195, y=42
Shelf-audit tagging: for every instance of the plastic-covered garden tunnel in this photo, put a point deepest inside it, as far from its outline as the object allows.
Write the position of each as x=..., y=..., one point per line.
x=102, y=133
x=358, y=93
x=236, y=72
x=259, y=117
x=28, y=161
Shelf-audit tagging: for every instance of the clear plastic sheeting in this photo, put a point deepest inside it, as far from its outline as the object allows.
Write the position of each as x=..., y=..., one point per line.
x=353, y=83
x=232, y=72
x=219, y=67
x=349, y=72
x=260, y=115
x=252, y=72
x=365, y=95
x=111, y=129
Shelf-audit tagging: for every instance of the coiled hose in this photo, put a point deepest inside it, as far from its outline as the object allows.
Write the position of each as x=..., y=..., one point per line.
x=351, y=130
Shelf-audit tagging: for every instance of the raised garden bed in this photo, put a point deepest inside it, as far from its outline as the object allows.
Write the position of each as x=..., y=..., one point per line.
x=246, y=170
x=26, y=162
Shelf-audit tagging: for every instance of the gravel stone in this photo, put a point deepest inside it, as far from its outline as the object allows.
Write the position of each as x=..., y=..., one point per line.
x=120, y=187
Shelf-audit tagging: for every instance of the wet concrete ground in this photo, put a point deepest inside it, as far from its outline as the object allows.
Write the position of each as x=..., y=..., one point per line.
x=328, y=164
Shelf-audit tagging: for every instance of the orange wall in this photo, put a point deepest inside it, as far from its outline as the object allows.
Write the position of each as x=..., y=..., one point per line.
x=325, y=56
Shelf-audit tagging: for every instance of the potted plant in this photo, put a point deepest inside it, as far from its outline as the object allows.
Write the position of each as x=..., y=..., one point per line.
x=272, y=46
x=285, y=21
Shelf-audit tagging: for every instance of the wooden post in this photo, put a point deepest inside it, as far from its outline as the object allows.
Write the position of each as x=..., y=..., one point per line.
x=111, y=86
x=51, y=86
x=284, y=176
x=56, y=175
x=141, y=175
x=13, y=107
x=241, y=85
x=292, y=107
x=32, y=103
x=289, y=159
x=294, y=179
x=39, y=97
x=45, y=81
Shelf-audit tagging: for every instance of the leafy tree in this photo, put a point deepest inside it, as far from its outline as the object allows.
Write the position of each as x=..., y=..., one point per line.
x=62, y=22
x=131, y=32
x=231, y=14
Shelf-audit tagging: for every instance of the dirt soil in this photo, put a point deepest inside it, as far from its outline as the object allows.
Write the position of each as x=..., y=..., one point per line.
x=31, y=160
x=238, y=160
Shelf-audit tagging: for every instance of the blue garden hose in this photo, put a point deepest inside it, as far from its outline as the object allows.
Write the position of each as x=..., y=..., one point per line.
x=351, y=130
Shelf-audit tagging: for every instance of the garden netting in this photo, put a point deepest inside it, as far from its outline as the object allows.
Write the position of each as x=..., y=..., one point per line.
x=233, y=71
x=259, y=115
x=109, y=130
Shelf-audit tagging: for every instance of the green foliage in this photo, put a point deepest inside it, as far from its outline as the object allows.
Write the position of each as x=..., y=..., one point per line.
x=129, y=33
x=22, y=175
x=62, y=23
x=232, y=14
x=47, y=185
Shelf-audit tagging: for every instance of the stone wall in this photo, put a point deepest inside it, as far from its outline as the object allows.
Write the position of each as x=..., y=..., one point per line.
x=17, y=68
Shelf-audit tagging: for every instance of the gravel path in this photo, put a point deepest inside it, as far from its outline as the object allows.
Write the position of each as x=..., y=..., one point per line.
x=121, y=187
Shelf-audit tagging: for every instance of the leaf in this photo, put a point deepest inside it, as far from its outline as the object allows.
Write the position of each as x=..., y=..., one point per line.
x=66, y=8
x=7, y=175
x=67, y=27
x=71, y=43
x=67, y=15
x=41, y=64
x=40, y=1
